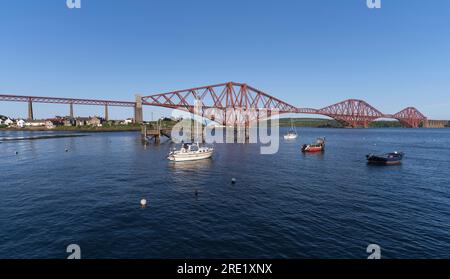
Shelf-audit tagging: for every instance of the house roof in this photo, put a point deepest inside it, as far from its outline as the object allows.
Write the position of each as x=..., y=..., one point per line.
x=82, y=119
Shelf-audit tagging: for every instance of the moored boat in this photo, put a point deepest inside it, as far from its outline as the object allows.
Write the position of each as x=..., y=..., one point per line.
x=318, y=146
x=191, y=152
x=292, y=133
x=394, y=158
x=290, y=136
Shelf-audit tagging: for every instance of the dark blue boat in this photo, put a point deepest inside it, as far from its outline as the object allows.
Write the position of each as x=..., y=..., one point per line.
x=394, y=158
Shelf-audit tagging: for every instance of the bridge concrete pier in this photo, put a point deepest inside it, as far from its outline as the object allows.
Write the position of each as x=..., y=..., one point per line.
x=71, y=111
x=106, y=113
x=138, y=113
x=30, y=109
x=247, y=128
x=247, y=133
x=435, y=123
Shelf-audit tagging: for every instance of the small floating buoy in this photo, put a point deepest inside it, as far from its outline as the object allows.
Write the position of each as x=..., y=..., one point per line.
x=143, y=203
x=17, y=153
x=67, y=150
x=196, y=193
x=233, y=181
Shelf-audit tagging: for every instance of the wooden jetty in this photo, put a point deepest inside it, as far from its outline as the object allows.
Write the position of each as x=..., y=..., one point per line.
x=155, y=132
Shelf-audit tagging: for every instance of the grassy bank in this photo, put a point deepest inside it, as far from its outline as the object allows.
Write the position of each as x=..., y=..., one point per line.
x=86, y=129
x=331, y=123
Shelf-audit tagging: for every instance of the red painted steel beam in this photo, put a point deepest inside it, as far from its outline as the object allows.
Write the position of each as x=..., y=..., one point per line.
x=55, y=100
x=307, y=111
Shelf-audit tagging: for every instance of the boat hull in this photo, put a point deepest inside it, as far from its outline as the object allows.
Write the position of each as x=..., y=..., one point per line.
x=387, y=163
x=319, y=146
x=388, y=159
x=190, y=157
x=313, y=149
x=290, y=137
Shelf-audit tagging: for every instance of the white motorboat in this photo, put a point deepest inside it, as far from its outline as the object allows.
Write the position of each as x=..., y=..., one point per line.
x=292, y=133
x=191, y=152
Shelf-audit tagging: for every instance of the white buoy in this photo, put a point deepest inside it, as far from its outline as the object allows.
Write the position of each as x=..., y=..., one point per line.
x=233, y=180
x=143, y=203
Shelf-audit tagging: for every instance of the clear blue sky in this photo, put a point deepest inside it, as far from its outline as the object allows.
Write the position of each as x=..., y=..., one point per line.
x=310, y=53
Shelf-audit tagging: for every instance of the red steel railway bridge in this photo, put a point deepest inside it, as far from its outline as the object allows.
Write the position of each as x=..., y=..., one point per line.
x=234, y=103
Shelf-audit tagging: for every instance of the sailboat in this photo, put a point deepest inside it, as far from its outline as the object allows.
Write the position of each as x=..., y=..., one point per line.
x=292, y=133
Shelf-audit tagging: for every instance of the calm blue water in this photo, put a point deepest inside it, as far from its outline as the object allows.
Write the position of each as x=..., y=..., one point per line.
x=287, y=205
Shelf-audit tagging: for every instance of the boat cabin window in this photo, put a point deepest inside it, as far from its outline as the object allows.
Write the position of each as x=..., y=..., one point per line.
x=194, y=148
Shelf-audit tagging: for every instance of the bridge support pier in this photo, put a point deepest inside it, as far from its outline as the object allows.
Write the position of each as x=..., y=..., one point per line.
x=247, y=133
x=247, y=128
x=71, y=111
x=138, y=113
x=435, y=123
x=106, y=113
x=30, y=110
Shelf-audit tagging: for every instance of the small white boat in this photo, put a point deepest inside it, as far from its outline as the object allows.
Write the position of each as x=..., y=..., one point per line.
x=190, y=152
x=292, y=134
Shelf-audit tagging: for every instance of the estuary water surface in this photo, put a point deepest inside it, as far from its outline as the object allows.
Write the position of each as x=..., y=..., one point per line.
x=287, y=205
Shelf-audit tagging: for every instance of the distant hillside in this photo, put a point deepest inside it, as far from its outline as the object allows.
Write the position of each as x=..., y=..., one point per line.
x=331, y=123
x=310, y=122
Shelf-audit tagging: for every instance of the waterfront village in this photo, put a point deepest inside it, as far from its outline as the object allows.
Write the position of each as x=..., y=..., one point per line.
x=99, y=123
x=58, y=121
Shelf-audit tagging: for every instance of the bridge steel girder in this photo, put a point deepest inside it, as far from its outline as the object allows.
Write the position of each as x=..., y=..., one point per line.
x=55, y=100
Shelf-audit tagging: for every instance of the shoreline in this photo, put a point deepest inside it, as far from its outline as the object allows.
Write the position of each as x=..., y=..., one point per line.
x=105, y=130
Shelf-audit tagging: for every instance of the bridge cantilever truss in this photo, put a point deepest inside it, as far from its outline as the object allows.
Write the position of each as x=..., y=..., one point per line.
x=352, y=112
x=226, y=103
x=410, y=117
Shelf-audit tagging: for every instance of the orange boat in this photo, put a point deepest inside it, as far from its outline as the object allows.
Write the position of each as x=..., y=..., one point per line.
x=319, y=146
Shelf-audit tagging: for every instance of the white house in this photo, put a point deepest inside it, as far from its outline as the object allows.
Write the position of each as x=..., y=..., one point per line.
x=127, y=121
x=8, y=122
x=35, y=123
x=20, y=123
